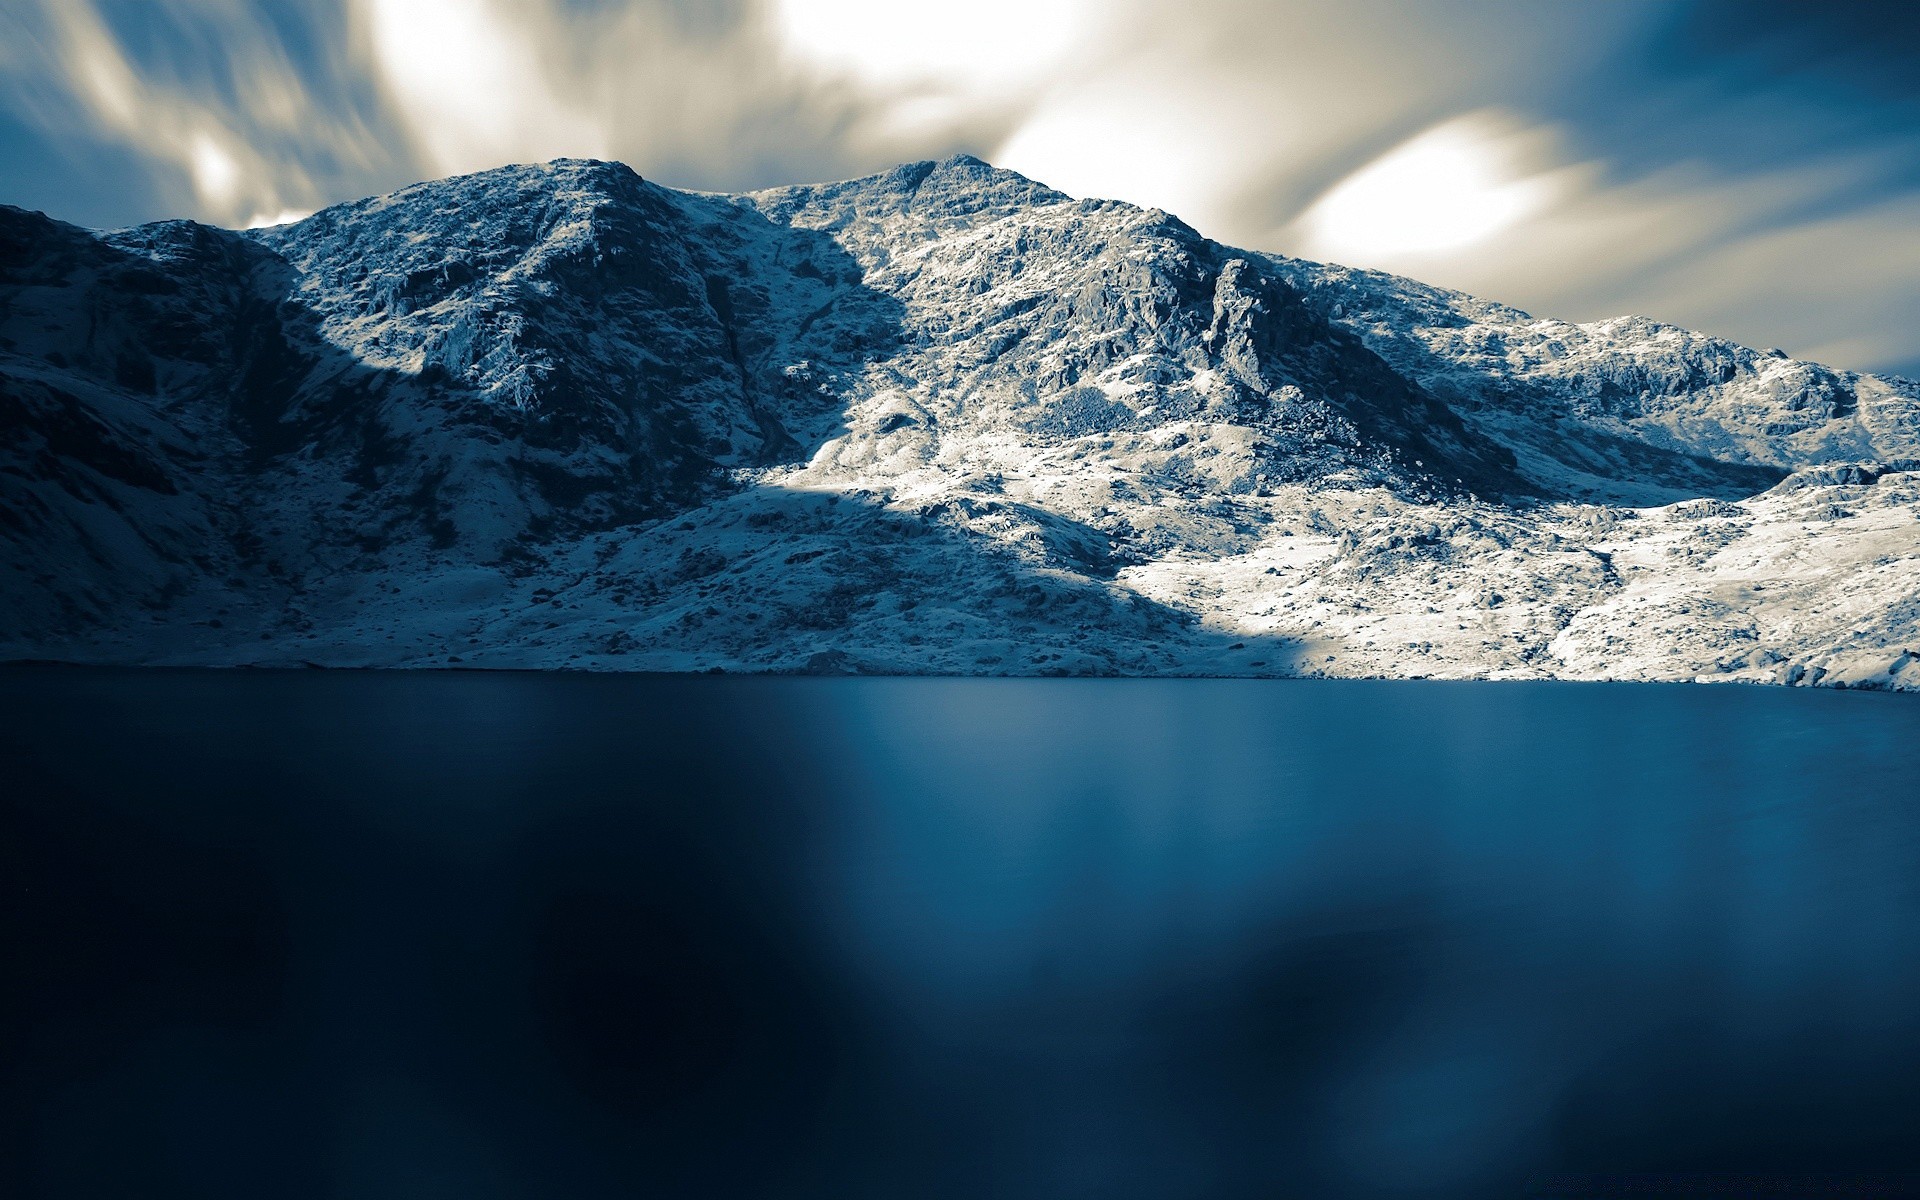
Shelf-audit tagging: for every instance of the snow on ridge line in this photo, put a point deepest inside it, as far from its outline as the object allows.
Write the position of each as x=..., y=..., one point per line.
x=940, y=418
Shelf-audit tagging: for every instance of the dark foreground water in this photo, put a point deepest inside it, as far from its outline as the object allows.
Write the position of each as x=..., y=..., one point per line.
x=468, y=936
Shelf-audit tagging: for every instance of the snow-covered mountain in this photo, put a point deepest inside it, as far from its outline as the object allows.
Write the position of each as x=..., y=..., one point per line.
x=939, y=419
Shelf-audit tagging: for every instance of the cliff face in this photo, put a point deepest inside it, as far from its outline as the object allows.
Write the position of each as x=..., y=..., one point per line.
x=1626, y=408
x=939, y=419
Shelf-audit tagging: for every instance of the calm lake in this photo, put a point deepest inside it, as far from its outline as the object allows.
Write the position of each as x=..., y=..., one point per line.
x=353, y=935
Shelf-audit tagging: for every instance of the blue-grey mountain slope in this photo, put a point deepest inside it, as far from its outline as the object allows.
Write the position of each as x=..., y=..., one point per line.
x=938, y=419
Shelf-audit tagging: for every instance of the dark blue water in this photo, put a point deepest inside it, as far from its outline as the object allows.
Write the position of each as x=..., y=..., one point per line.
x=423, y=935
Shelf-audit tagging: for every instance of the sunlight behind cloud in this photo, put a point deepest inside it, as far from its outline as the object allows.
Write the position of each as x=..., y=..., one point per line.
x=471, y=87
x=1152, y=130
x=708, y=100
x=1450, y=188
x=965, y=44
x=286, y=216
x=227, y=174
x=1126, y=141
x=216, y=176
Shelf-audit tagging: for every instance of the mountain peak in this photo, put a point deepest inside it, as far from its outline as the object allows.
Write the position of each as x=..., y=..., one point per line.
x=928, y=198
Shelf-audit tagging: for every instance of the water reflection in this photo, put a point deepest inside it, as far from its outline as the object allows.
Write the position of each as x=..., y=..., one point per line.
x=493, y=935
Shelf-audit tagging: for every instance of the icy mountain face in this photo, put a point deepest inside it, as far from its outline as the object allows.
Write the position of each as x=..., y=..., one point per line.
x=1626, y=408
x=126, y=364
x=939, y=419
x=1034, y=316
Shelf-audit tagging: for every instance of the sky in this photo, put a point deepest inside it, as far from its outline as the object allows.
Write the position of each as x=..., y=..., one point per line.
x=1750, y=168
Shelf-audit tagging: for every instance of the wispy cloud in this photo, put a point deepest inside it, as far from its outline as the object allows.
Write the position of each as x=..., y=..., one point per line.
x=216, y=104
x=1525, y=152
x=1578, y=160
x=727, y=97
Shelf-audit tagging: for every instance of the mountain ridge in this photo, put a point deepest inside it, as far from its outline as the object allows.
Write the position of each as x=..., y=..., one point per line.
x=1200, y=459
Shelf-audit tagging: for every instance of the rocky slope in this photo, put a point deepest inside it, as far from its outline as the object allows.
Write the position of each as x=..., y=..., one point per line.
x=939, y=419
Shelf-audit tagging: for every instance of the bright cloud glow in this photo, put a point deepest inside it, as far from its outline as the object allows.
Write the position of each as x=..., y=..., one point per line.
x=1454, y=186
x=966, y=44
x=158, y=120
x=1129, y=134
x=471, y=87
x=216, y=176
x=285, y=216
